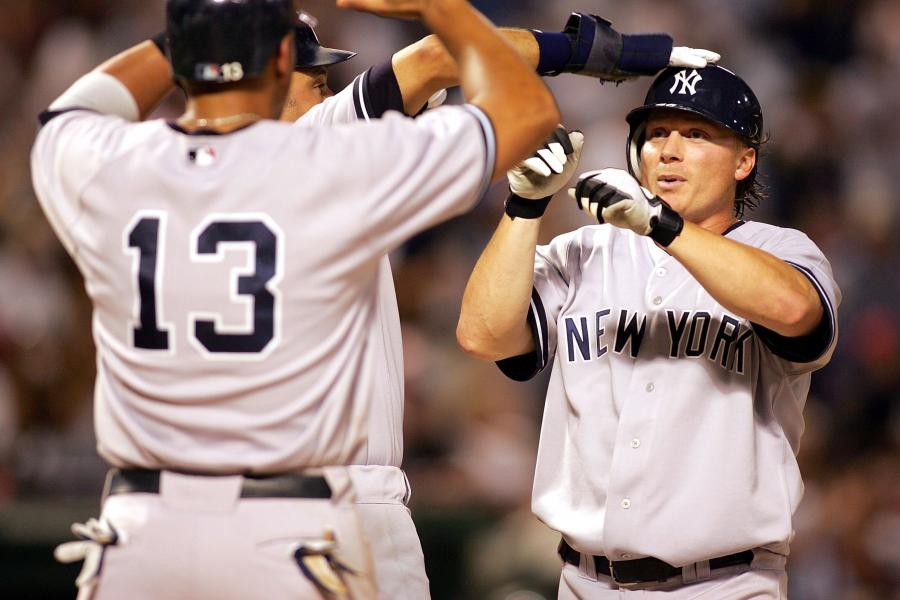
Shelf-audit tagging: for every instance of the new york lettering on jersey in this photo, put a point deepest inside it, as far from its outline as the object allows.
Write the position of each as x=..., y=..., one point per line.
x=691, y=333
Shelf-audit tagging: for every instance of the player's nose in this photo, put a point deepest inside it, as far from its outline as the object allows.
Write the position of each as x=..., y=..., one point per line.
x=672, y=148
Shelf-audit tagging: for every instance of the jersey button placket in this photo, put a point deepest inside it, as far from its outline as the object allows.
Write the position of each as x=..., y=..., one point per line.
x=659, y=284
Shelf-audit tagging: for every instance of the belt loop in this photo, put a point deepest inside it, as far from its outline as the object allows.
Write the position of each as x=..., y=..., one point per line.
x=702, y=570
x=689, y=573
x=587, y=567
x=107, y=483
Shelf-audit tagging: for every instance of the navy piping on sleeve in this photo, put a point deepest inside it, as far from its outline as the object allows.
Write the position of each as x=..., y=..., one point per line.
x=490, y=146
x=359, y=103
x=48, y=115
x=539, y=328
x=525, y=366
x=378, y=93
x=810, y=347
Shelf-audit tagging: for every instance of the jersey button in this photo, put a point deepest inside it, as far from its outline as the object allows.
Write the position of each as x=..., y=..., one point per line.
x=635, y=443
x=626, y=503
x=662, y=272
x=650, y=387
x=657, y=301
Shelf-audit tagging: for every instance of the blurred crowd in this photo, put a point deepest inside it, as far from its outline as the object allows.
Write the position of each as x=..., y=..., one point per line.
x=828, y=76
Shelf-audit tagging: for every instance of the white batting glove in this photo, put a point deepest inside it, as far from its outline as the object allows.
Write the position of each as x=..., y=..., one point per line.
x=550, y=168
x=692, y=58
x=615, y=197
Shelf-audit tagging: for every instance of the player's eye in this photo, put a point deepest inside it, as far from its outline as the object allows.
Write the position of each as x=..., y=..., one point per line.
x=698, y=134
x=656, y=133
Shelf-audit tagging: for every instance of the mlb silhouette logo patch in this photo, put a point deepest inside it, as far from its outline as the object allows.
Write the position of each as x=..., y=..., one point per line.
x=203, y=156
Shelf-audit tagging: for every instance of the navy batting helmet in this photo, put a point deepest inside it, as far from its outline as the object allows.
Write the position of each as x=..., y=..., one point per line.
x=223, y=41
x=310, y=53
x=714, y=93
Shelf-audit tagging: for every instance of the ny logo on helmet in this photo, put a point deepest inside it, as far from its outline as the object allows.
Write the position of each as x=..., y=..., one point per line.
x=687, y=80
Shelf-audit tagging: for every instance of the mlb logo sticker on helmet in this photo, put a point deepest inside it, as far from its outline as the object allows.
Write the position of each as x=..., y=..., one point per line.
x=227, y=73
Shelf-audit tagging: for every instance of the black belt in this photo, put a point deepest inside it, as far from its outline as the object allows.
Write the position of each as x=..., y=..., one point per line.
x=646, y=570
x=289, y=485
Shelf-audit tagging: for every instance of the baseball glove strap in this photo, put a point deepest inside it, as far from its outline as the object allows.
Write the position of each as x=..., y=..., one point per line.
x=288, y=485
x=516, y=206
x=666, y=225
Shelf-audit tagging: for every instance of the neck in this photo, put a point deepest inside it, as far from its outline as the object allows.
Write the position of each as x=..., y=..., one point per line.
x=226, y=111
x=718, y=222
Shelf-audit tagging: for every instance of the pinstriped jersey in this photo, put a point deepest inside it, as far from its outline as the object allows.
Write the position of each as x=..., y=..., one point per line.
x=234, y=277
x=671, y=425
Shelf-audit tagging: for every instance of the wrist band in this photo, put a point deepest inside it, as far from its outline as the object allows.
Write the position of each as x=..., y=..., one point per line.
x=555, y=50
x=160, y=41
x=516, y=206
x=646, y=53
x=667, y=226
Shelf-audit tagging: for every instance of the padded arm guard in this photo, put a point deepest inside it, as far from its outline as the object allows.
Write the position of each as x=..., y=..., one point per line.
x=600, y=51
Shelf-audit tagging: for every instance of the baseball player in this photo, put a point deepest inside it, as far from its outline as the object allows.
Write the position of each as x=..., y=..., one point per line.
x=233, y=269
x=413, y=77
x=682, y=338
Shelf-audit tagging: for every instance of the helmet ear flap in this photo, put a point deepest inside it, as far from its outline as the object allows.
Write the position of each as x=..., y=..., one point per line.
x=633, y=151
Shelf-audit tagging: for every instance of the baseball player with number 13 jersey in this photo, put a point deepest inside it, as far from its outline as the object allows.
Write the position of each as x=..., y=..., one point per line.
x=233, y=270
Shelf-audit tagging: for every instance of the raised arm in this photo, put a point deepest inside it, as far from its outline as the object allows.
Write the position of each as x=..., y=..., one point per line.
x=587, y=46
x=491, y=74
x=494, y=78
x=425, y=67
x=130, y=84
x=493, y=320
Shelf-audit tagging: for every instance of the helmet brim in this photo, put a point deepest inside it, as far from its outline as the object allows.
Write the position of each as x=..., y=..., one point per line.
x=323, y=57
x=640, y=114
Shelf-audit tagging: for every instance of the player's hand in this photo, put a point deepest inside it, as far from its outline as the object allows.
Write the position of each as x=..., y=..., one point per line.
x=550, y=168
x=692, y=58
x=615, y=197
x=398, y=9
x=600, y=51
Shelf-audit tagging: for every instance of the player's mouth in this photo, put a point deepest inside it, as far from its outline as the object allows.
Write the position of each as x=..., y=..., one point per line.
x=668, y=182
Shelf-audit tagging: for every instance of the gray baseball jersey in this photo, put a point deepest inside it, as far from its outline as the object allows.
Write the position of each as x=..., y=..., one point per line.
x=234, y=277
x=369, y=96
x=381, y=488
x=671, y=426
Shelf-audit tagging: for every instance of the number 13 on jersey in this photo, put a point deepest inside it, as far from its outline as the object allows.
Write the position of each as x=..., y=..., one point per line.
x=253, y=286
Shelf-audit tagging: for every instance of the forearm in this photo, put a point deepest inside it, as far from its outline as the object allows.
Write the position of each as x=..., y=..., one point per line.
x=493, y=319
x=749, y=282
x=426, y=67
x=145, y=71
x=496, y=79
x=128, y=85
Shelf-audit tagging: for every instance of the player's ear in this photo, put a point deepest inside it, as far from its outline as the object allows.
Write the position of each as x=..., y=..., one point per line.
x=284, y=57
x=746, y=161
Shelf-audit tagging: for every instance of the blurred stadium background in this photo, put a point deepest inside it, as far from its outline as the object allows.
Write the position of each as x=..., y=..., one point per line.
x=828, y=76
